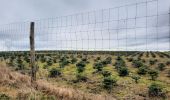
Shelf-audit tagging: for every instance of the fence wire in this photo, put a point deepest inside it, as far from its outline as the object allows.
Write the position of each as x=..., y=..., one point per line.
x=143, y=26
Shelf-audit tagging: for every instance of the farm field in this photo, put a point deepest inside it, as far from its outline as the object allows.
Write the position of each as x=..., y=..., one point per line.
x=85, y=50
x=119, y=75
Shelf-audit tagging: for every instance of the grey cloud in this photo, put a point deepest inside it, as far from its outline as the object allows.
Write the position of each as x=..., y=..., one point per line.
x=86, y=33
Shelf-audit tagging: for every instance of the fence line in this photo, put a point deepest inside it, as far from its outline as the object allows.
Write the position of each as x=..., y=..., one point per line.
x=141, y=26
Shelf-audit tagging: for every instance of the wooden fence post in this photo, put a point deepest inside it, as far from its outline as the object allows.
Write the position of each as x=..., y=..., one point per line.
x=32, y=53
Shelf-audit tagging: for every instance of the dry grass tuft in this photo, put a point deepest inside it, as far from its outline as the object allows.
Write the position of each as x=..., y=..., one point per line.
x=23, y=85
x=13, y=78
x=68, y=93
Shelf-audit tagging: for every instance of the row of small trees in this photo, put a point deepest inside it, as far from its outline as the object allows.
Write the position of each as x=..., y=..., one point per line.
x=121, y=67
x=143, y=69
x=108, y=80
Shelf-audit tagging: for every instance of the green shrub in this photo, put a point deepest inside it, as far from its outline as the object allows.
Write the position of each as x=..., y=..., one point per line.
x=130, y=59
x=123, y=71
x=63, y=62
x=80, y=69
x=73, y=60
x=118, y=58
x=27, y=59
x=98, y=58
x=55, y=60
x=137, y=63
x=80, y=66
x=109, y=82
x=142, y=70
x=98, y=66
x=84, y=59
x=119, y=63
x=153, y=74
x=108, y=60
x=156, y=90
x=54, y=72
x=49, y=62
x=153, y=55
x=136, y=78
x=161, y=66
x=151, y=62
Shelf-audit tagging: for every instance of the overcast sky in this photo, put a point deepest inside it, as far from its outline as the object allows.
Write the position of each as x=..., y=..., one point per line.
x=92, y=28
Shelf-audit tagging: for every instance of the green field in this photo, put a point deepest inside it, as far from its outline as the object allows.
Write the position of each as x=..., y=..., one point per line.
x=122, y=75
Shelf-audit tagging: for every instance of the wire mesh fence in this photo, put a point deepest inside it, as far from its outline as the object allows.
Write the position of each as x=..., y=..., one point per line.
x=143, y=26
x=123, y=30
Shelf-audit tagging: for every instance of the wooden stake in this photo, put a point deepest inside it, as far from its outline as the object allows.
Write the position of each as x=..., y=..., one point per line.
x=32, y=53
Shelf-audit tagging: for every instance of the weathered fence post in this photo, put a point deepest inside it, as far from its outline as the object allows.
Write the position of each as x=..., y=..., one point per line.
x=32, y=53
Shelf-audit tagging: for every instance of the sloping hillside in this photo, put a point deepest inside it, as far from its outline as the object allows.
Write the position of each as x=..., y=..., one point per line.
x=14, y=85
